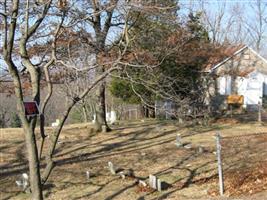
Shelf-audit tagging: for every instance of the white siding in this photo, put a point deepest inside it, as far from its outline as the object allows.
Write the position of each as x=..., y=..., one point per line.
x=251, y=87
x=254, y=91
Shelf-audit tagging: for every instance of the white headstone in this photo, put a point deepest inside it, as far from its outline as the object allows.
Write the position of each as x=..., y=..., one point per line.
x=178, y=141
x=56, y=123
x=153, y=181
x=87, y=174
x=23, y=182
x=122, y=175
x=159, y=185
x=25, y=176
x=142, y=183
x=188, y=146
x=108, y=116
x=94, y=118
x=111, y=168
x=200, y=149
x=113, y=117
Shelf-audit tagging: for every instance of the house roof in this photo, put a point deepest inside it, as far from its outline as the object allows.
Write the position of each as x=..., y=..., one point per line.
x=223, y=54
x=231, y=52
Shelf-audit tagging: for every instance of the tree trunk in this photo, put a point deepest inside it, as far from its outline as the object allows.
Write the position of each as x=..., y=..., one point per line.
x=152, y=113
x=55, y=135
x=101, y=122
x=34, y=167
x=28, y=127
x=146, y=111
x=53, y=142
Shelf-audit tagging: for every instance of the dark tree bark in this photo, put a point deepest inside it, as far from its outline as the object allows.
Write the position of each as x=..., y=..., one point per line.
x=101, y=122
x=34, y=166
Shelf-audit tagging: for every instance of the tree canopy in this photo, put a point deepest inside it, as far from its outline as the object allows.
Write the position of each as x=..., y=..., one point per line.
x=181, y=50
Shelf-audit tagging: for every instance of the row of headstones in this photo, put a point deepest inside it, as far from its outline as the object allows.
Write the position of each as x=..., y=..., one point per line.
x=180, y=144
x=111, y=117
x=154, y=182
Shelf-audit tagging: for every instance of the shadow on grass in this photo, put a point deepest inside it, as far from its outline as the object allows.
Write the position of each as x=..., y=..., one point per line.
x=133, y=141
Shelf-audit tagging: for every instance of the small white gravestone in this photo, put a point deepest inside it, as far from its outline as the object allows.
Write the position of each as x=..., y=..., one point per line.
x=56, y=123
x=142, y=183
x=122, y=175
x=111, y=168
x=188, y=146
x=153, y=181
x=88, y=175
x=104, y=128
x=178, y=141
x=108, y=116
x=23, y=182
x=159, y=185
x=94, y=119
x=201, y=149
x=113, y=117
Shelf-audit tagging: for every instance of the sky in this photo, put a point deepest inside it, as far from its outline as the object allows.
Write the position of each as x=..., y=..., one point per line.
x=243, y=15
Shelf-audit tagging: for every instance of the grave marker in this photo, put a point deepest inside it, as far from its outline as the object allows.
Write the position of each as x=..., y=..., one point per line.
x=153, y=181
x=111, y=168
x=87, y=174
x=142, y=183
x=23, y=182
x=178, y=141
x=159, y=185
x=122, y=175
x=200, y=149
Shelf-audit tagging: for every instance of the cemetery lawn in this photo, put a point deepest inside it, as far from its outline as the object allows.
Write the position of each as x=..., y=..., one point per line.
x=146, y=147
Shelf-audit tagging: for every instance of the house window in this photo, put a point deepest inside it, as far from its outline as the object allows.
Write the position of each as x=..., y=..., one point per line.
x=221, y=85
x=224, y=85
x=228, y=85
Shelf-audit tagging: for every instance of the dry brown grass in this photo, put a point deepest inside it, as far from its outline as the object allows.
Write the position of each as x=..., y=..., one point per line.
x=146, y=147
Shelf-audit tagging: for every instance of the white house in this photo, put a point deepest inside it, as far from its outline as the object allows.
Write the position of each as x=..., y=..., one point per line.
x=242, y=73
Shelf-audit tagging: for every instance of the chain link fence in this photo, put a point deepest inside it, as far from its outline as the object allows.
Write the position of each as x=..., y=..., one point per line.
x=242, y=163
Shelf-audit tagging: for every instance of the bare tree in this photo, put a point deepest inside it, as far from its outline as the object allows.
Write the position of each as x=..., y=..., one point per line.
x=225, y=22
x=32, y=45
x=10, y=14
x=256, y=23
